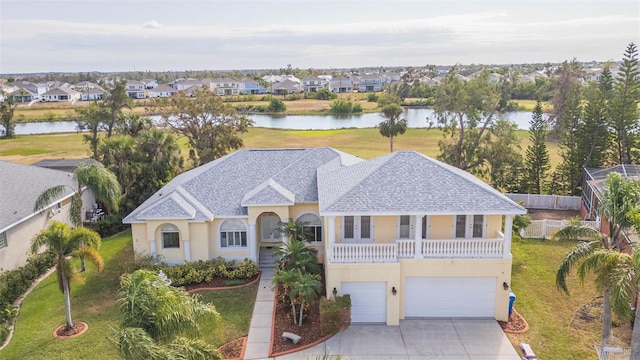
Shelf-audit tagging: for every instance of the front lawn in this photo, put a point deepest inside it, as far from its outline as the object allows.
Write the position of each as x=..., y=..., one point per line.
x=552, y=333
x=94, y=302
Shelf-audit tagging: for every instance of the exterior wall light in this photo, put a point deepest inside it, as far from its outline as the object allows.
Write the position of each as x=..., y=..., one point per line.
x=505, y=285
x=394, y=291
x=335, y=292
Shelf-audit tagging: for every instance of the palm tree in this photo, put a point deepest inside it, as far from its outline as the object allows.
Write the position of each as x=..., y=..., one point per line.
x=92, y=176
x=155, y=315
x=392, y=125
x=306, y=289
x=298, y=254
x=63, y=241
x=624, y=292
x=294, y=230
x=600, y=253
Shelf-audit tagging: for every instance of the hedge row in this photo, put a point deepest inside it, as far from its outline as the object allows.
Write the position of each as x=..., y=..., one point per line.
x=204, y=271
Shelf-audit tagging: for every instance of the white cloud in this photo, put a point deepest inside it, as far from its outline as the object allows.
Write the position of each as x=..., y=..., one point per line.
x=152, y=24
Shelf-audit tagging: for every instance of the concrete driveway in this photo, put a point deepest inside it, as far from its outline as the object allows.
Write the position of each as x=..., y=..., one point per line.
x=417, y=339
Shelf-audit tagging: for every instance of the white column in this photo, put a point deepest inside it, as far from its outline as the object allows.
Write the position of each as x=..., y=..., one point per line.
x=417, y=236
x=253, y=242
x=508, y=229
x=187, y=250
x=332, y=235
x=152, y=247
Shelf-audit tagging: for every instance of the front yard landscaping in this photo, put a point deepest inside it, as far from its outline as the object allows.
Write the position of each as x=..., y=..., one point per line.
x=94, y=302
x=560, y=327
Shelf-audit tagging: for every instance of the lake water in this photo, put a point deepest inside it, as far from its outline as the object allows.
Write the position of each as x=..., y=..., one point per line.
x=416, y=118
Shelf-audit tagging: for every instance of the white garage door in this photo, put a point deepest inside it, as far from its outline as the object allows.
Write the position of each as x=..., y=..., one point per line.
x=450, y=297
x=368, y=301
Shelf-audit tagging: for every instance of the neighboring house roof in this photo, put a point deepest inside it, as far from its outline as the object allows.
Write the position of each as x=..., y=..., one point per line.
x=23, y=92
x=97, y=90
x=407, y=182
x=221, y=187
x=86, y=84
x=61, y=91
x=62, y=164
x=286, y=85
x=21, y=186
x=147, y=81
x=598, y=176
x=134, y=82
x=162, y=88
x=223, y=80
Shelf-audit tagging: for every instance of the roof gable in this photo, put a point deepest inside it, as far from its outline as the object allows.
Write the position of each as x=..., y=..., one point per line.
x=173, y=206
x=268, y=193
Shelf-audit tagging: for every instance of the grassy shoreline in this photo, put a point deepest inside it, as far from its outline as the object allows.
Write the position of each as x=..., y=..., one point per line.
x=51, y=112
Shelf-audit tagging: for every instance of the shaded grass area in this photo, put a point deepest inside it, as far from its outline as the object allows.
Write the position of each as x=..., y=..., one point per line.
x=552, y=333
x=94, y=302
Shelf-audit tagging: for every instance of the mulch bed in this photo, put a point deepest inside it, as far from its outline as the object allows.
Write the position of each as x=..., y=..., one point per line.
x=79, y=327
x=516, y=324
x=218, y=283
x=233, y=349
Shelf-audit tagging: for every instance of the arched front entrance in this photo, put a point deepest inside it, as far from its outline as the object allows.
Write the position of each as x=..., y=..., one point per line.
x=269, y=225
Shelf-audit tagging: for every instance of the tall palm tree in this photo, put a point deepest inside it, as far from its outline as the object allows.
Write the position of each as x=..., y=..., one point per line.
x=298, y=254
x=92, y=176
x=600, y=254
x=392, y=125
x=63, y=241
x=624, y=292
x=155, y=316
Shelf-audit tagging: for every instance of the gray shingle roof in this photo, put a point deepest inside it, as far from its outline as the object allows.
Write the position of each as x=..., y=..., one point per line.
x=218, y=188
x=174, y=204
x=407, y=182
x=20, y=186
x=268, y=193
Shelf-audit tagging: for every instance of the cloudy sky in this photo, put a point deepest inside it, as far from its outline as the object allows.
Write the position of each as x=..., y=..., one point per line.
x=162, y=35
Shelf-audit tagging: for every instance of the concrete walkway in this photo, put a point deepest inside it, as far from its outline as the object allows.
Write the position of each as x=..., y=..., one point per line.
x=259, y=339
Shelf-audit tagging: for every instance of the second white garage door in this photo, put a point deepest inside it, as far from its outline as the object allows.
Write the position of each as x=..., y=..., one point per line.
x=450, y=297
x=368, y=301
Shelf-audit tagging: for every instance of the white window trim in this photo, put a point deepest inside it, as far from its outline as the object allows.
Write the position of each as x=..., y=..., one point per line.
x=359, y=232
x=232, y=248
x=162, y=237
x=411, y=227
x=3, y=235
x=321, y=226
x=426, y=226
x=469, y=226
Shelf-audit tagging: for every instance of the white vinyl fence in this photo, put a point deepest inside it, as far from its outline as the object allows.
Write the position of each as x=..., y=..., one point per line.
x=546, y=228
x=549, y=202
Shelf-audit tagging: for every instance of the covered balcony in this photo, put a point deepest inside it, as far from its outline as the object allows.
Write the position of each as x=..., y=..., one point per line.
x=493, y=248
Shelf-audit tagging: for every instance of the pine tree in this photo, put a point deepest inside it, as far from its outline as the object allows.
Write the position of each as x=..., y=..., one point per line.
x=537, y=162
x=624, y=105
x=593, y=135
x=570, y=170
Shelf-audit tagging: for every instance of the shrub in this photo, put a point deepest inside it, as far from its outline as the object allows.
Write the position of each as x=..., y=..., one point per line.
x=195, y=272
x=372, y=97
x=325, y=94
x=357, y=108
x=292, y=97
x=335, y=314
x=110, y=225
x=341, y=106
x=276, y=105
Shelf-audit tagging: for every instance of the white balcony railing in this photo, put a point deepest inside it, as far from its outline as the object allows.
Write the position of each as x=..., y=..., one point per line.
x=364, y=253
x=405, y=249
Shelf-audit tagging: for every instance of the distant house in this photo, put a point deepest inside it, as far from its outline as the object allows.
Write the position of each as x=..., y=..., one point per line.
x=272, y=79
x=370, y=83
x=248, y=86
x=161, y=91
x=84, y=85
x=495, y=78
x=225, y=86
x=21, y=185
x=313, y=84
x=136, y=89
x=285, y=87
x=92, y=94
x=149, y=83
x=184, y=84
x=341, y=84
x=60, y=94
x=429, y=81
x=24, y=95
x=389, y=77
x=37, y=89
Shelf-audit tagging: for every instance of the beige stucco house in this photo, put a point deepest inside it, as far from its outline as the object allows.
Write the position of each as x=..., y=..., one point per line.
x=405, y=235
x=20, y=185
